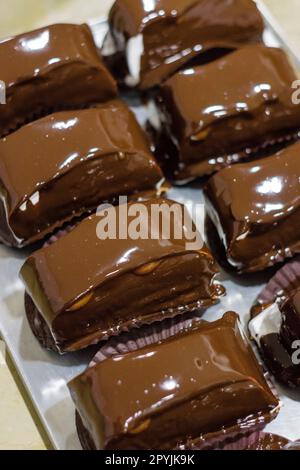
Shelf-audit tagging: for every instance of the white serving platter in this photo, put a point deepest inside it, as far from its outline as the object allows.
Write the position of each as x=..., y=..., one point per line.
x=45, y=374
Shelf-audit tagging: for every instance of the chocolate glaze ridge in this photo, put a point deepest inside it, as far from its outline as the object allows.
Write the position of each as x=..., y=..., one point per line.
x=170, y=390
x=246, y=108
x=190, y=29
x=53, y=67
x=87, y=289
x=70, y=163
x=254, y=208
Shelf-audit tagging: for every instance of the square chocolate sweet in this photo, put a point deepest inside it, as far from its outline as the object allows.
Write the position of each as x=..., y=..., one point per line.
x=253, y=211
x=151, y=40
x=201, y=388
x=276, y=330
x=92, y=283
x=238, y=107
x=63, y=166
x=53, y=68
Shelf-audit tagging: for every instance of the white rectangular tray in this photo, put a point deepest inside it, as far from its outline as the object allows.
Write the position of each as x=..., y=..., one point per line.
x=45, y=374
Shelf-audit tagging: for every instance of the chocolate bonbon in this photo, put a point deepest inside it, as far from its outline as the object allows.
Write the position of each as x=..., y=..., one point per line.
x=56, y=67
x=84, y=287
x=276, y=330
x=154, y=39
x=195, y=390
x=237, y=108
x=71, y=162
x=253, y=211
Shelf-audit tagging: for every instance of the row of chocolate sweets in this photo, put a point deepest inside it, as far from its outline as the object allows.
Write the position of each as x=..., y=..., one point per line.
x=205, y=117
x=74, y=298
x=62, y=165
x=209, y=116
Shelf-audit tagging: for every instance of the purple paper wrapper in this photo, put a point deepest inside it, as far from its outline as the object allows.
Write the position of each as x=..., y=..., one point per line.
x=285, y=281
x=228, y=438
x=60, y=233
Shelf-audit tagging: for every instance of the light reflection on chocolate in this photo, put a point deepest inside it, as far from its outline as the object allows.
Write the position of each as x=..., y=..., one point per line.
x=71, y=162
x=125, y=293
x=157, y=38
x=56, y=67
x=268, y=442
x=276, y=330
x=205, y=379
x=254, y=208
x=223, y=112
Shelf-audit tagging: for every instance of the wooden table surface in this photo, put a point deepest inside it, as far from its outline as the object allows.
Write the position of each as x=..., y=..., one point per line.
x=19, y=425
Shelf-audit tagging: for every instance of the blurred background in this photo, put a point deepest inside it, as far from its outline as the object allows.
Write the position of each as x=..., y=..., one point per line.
x=17, y=16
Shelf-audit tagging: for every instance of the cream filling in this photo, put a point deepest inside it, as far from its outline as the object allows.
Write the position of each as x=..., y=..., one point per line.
x=134, y=52
x=154, y=115
x=269, y=321
x=109, y=46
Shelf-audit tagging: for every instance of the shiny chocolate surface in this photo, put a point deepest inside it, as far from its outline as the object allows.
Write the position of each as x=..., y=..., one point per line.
x=55, y=67
x=174, y=32
x=87, y=288
x=226, y=111
x=255, y=210
x=273, y=442
x=280, y=346
x=205, y=380
x=68, y=163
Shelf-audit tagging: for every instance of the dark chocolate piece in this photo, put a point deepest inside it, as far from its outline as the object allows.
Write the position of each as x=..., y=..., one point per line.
x=268, y=442
x=56, y=67
x=255, y=208
x=238, y=107
x=157, y=38
x=205, y=379
x=87, y=288
x=276, y=330
x=61, y=166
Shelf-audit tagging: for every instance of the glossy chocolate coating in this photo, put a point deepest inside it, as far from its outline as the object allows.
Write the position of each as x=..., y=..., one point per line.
x=255, y=209
x=191, y=388
x=175, y=32
x=87, y=289
x=281, y=350
x=66, y=164
x=226, y=111
x=56, y=67
x=273, y=442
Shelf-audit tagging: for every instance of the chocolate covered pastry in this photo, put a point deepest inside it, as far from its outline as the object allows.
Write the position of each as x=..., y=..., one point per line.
x=253, y=211
x=276, y=330
x=56, y=67
x=236, y=108
x=84, y=288
x=195, y=390
x=66, y=164
x=153, y=40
